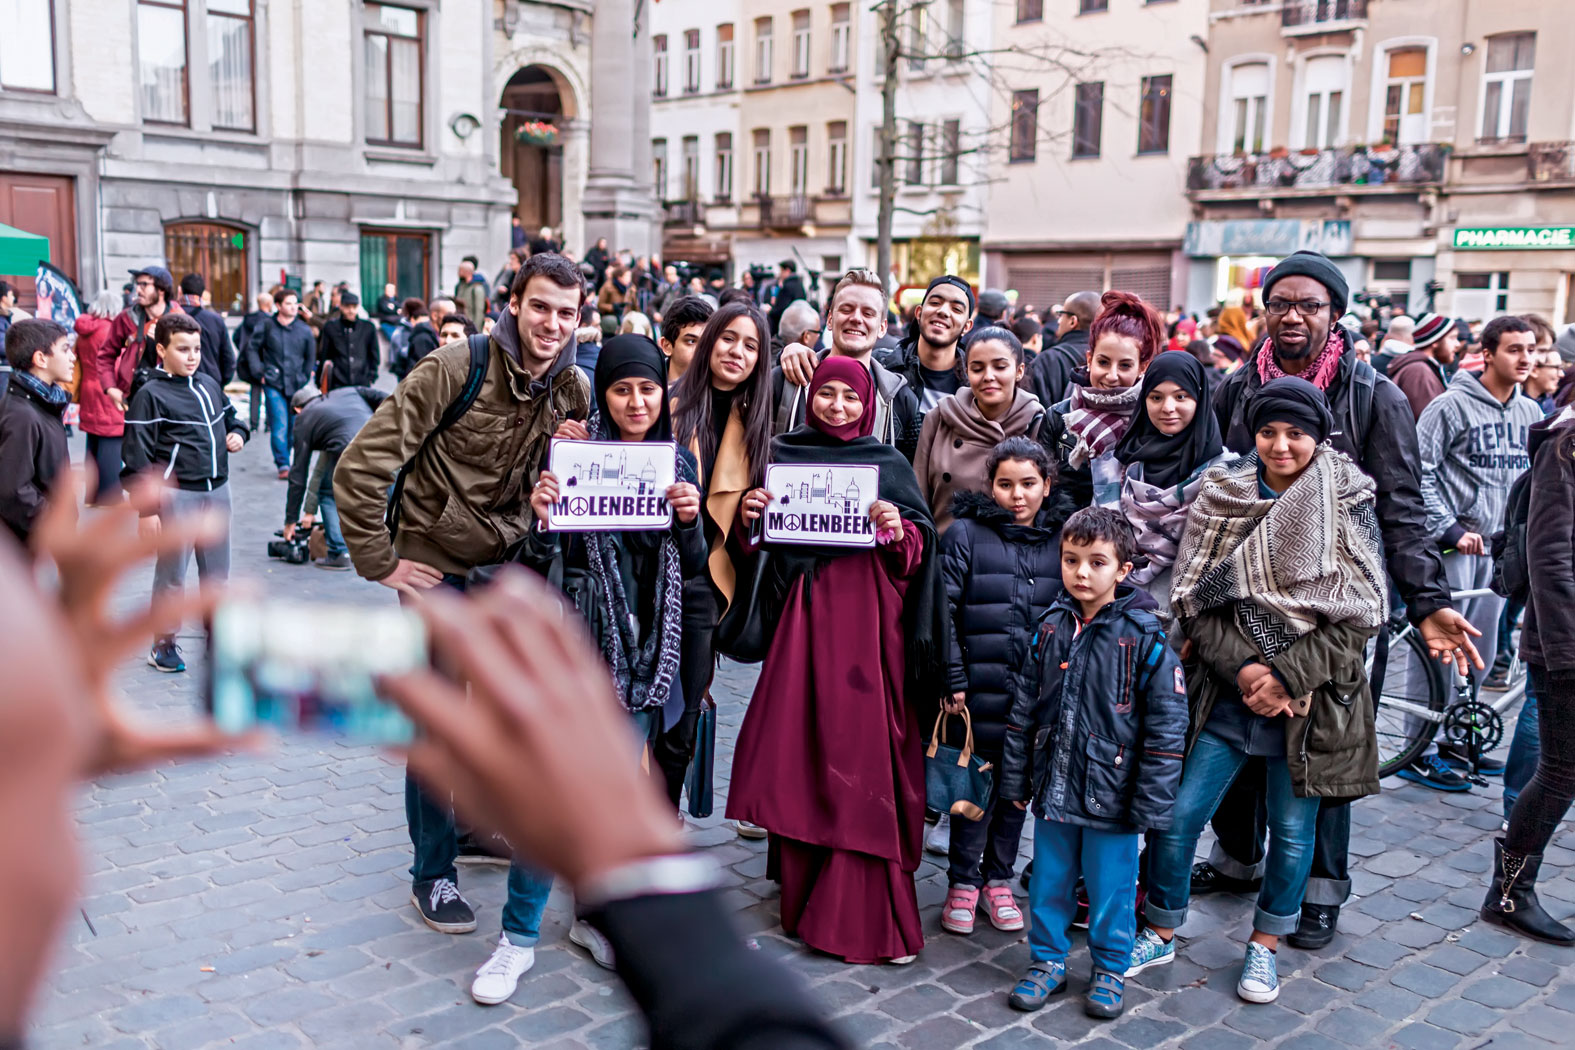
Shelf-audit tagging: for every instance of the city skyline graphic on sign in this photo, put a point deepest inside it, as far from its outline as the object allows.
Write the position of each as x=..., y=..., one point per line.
x=822, y=490
x=612, y=470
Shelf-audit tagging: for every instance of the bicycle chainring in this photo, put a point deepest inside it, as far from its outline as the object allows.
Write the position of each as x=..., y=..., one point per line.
x=1471, y=720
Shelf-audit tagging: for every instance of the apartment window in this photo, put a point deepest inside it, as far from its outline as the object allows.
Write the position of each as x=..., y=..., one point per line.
x=161, y=60
x=798, y=160
x=215, y=250
x=837, y=157
x=724, y=166
x=951, y=151
x=1506, y=86
x=27, y=47
x=1405, y=95
x=230, y=64
x=913, y=154
x=762, y=50
x=393, y=75
x=659, y=42
x=659, y=167
x=1325, y=81
x=1154, y=116
x=1025, y=126
x=1089, y=7
x=841, y=38
x=800, y=45
x=762, y=162
x=691, y=61
x=1480, y=296
x=954, y=28
x=1088, y=116
x=1249, y=106
x=918, y=34
x=691, y=187
x=1030, y=10
x=724, y=56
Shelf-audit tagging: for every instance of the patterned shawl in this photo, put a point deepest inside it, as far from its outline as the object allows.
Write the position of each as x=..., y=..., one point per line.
x=1099, y=419
x=1158, y=516
x=1284, y=563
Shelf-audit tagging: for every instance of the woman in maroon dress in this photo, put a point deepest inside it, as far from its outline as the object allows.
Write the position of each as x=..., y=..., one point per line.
x=829, y=757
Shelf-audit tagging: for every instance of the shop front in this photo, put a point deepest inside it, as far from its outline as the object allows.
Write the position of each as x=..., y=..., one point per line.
x=1228, y=258
x=1492, y=270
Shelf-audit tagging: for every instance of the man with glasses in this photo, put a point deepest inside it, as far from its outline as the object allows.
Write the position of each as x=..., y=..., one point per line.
x=1050, y=375
x=131, y=333
x=1303, y=298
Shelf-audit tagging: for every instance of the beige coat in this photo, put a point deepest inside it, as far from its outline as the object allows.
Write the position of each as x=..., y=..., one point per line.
x=955, y=445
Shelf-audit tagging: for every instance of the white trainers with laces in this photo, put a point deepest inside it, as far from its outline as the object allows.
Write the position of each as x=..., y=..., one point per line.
x=591, y=939
x=939, y=838
x=500, y=975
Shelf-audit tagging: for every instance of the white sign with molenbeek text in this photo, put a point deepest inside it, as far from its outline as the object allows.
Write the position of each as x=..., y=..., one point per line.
x=824, y=504
x=611, y=485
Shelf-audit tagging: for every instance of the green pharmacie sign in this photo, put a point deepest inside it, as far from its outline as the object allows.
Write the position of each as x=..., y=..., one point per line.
x=1520, y=237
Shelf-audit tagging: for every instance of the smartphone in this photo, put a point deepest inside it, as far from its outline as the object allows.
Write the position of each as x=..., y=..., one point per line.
x=311, y=667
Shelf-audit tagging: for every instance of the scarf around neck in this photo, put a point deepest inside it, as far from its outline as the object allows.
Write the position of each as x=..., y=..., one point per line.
x=1284, y=563
x=1170, y=459
x=1320, y=375
x=1099, y=419
x=52, y=397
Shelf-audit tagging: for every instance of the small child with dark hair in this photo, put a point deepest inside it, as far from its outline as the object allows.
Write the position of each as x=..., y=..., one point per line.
x=1097, y=751
x=183, y=426
x=32, y=409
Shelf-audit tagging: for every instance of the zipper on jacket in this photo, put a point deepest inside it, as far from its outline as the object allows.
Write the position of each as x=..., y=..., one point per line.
x=174, y=451
x=208, y=421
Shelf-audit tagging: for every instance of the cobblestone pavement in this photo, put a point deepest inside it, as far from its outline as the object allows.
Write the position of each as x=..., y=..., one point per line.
x=261, y=901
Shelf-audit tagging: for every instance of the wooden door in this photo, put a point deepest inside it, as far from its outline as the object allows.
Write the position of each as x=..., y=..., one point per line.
x=45, y=205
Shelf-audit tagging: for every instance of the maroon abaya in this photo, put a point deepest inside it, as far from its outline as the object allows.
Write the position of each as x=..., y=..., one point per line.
x=829, y=758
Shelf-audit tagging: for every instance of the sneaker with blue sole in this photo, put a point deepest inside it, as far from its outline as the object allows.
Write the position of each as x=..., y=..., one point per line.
x=1260, y=978
x=1433, y=772
x=165, y=656
x=1487, y=765
x=1150, y=949
x=1105, y=992
x=1042, y=980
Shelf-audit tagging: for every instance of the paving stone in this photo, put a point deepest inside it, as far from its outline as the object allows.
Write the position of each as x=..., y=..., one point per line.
x=1352, y=977
x=938, y=1033
x=1500, y=992
x=1145, y=1032
x=1424, y=980
x=1455, y=959
x=1269, y=1021
x=1529, y=970
x=1464, y=1017
x=1423, y=1037
x=919, y=1002
x=1353, y=1026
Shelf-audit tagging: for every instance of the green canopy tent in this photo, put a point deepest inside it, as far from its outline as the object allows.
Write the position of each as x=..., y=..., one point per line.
x=21, y=252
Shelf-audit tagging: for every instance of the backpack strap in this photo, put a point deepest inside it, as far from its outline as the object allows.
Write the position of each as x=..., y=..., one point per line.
x=1359, y=418
x=475, y=377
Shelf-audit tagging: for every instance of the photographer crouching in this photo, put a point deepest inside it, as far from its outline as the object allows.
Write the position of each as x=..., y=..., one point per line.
x=326, y=424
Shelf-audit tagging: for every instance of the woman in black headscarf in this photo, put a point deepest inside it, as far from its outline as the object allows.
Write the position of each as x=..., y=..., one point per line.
x=1173, y=440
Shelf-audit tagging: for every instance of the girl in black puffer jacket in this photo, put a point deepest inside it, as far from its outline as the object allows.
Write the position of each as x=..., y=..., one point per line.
x=1001, y=563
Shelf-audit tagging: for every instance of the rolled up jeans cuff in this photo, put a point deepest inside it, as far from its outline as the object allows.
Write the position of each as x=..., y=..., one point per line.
x=1232, y=868
x=521, y=940
x=1278, y=925
x=1330, y=893
x=1165, y=918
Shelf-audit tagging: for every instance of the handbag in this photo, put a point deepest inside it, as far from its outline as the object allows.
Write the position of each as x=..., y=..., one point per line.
x=697, y=782
x=956, y=780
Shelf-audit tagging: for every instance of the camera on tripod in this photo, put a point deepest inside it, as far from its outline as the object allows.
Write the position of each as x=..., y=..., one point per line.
x=293, y=551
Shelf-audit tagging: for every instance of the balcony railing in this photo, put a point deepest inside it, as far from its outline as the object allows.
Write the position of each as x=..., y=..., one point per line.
x=1311, y=16
x=786, y=212
x=684, y=213
x=1550, y=161
x=1253, y=174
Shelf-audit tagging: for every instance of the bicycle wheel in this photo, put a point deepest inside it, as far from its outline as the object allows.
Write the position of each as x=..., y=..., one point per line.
x=1409, y=674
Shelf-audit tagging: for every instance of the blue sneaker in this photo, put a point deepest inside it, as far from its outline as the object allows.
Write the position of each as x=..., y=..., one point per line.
x=1104, y=995
x=165, y=656
x=1487, y=765
x=1260, y=979
x=1432, y=771
x=1150, y=950
x=1042, y=980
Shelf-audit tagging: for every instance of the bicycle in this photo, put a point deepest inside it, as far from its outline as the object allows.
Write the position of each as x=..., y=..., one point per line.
x=1413, y=703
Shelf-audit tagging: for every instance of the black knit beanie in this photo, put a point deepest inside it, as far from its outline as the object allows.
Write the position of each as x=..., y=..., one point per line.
x=1317, y=266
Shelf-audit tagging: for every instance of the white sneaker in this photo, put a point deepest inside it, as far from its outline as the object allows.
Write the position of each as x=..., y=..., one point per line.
x=939, y=838
x=591, y=939
x=1260, y=979
x=746, y=830
x=499, y=975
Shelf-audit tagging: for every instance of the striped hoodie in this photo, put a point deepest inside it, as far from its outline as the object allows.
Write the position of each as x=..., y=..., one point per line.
x=1473, y=448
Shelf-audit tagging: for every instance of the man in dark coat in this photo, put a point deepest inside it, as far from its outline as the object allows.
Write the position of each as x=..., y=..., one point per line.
x=789, y=290
x=282, y=356
x=218, y=350
x=326, y=424
x=1050, y=374
x=348, y=343
x=931, y=360
x=32, y=405
x=1303, y=297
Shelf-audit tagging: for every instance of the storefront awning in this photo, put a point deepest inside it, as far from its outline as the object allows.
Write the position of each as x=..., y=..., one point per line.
x=21, y=252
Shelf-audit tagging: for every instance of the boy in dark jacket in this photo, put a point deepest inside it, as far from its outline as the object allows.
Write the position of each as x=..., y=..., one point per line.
x=1001, y=563
x=32, y=404
x=1097, y=749
x=181, y=424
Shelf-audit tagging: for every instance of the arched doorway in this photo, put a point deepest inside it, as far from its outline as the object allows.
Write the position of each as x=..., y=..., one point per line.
x=531, y=153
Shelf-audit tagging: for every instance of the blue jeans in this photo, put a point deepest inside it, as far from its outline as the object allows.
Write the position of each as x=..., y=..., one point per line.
x=1524, y=747
x=281, y=425
x=328, y=510
x=1108, y=863
x=436, y=844
x=1210, y=769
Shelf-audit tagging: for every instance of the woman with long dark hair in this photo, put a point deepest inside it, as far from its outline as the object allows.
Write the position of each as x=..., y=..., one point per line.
x=721, y=413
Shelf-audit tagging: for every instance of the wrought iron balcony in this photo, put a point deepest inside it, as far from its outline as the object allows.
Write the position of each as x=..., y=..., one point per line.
x=785, y=212
x=1551, y=161
x=684, y=213
x=1257, y=175
x=1298, y=17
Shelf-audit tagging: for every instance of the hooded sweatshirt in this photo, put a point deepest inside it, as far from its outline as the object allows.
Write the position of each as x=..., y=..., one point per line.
x=1473, y=448
x=955, y=444
x=1420, y=377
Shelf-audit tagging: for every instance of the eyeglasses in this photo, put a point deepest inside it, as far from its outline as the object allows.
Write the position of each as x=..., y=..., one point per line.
x=1304, y=307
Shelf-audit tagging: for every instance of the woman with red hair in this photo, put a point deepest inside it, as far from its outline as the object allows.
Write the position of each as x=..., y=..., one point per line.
x=1083, y=430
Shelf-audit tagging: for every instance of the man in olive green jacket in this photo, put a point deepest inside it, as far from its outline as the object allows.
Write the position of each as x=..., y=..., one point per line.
x=464, y=502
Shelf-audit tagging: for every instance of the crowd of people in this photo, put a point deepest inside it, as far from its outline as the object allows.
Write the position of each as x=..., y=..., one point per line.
x=1144, y=556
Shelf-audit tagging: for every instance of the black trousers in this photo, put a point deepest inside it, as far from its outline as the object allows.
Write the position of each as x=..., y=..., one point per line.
x=1545, y=800
x=696, y=664
x=985, y=850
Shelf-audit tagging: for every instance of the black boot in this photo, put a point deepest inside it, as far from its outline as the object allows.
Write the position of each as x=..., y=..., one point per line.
x=1512, y=898
x=1316, y=928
